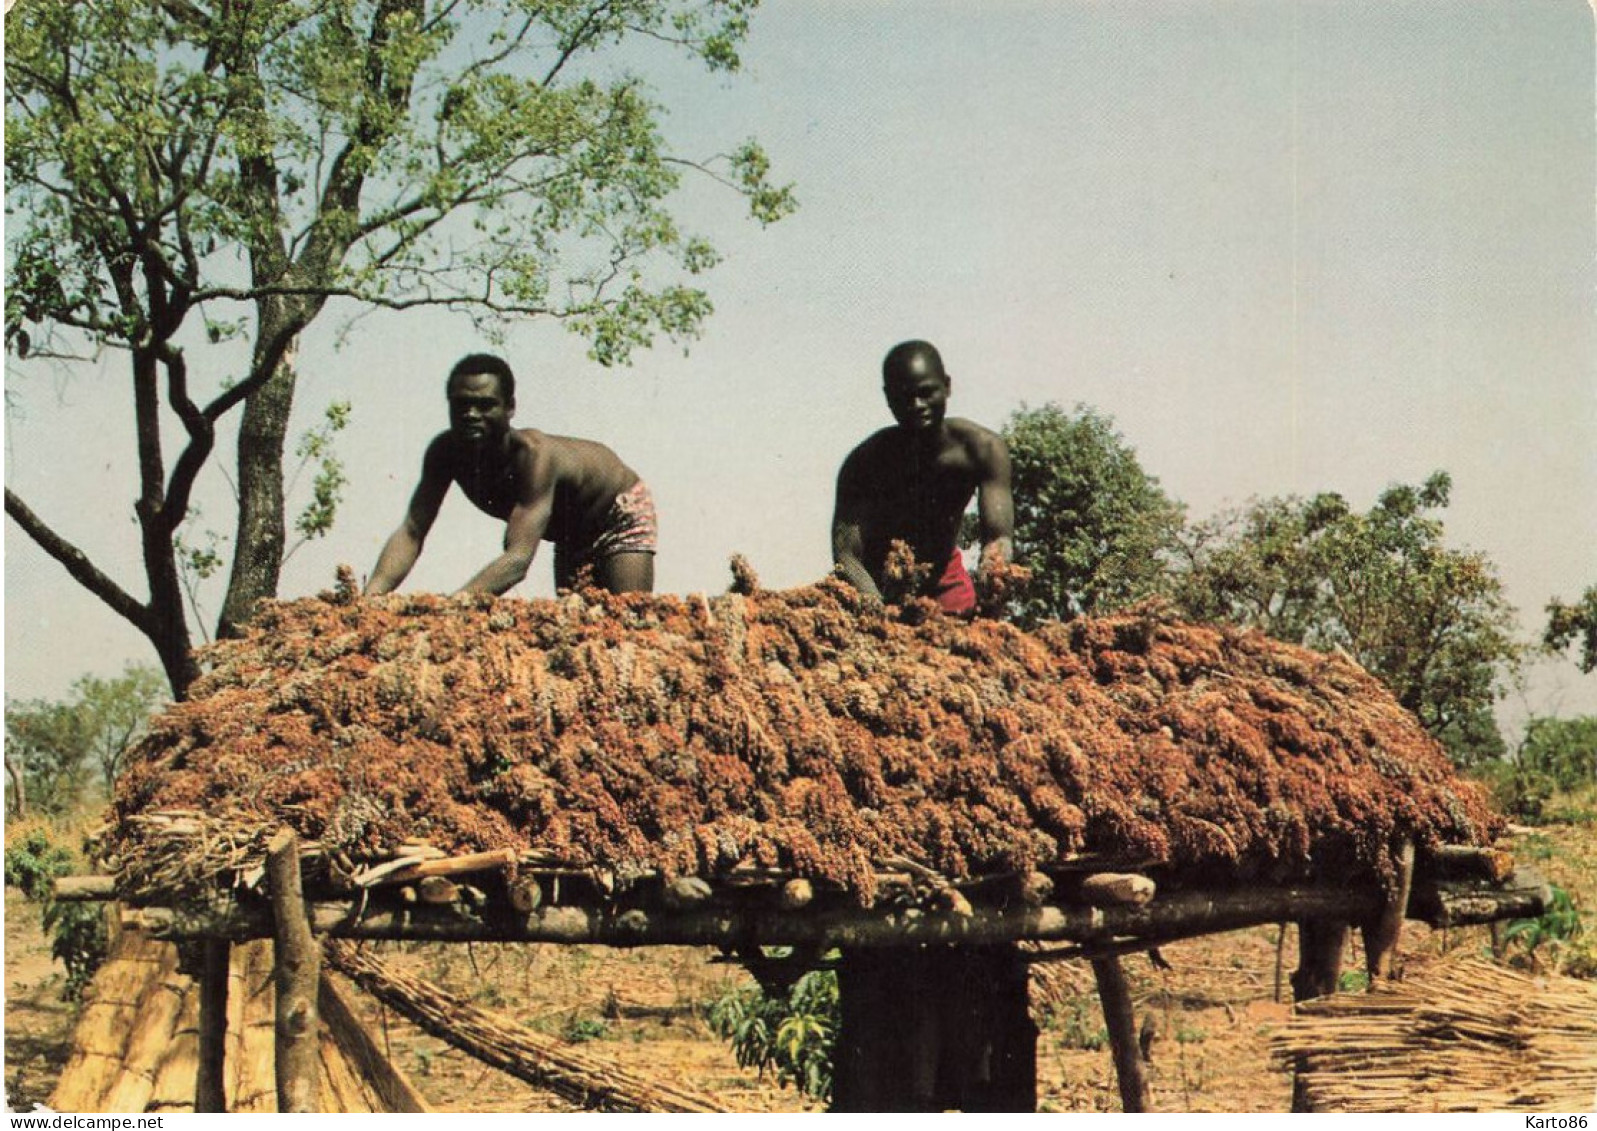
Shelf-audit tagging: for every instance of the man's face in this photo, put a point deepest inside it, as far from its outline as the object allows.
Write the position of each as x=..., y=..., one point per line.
x=478, y=411
x=917, y=394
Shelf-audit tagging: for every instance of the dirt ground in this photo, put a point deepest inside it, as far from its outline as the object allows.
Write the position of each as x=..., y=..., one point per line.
x=1212, y=1013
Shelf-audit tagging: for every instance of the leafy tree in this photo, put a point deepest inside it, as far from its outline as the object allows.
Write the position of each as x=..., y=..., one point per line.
x=45, y=741
x=191, y=182
x=1563, y=750
x=58, y=745
x=1094, y=527
x=1567, y=624
x=1430, y=621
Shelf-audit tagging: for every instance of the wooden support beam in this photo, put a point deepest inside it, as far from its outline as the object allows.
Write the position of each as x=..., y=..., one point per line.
x=1120, y=1018
x=1320, y=946
x=934, y=1028
x=85, y=889
x=1468, y=861
x=392, y=1086
x=209, y=1091
x=1458, y=903
x=1381, y=935
x=1171, y=914
x=296, y=974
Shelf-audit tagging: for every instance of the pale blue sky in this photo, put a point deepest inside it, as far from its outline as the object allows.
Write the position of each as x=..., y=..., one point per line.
x=1289, y=248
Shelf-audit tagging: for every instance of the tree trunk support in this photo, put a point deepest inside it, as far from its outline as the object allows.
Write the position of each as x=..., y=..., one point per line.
x=215, y=960
x=1320, y=946
x=1385, y=930
x=1120, y=1018
x=934, y=1028
x=297, y=975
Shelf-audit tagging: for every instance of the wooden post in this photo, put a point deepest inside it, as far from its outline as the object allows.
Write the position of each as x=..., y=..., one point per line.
x=215, y=960
x=1320, y=946
x=1120, y=1019
x=934, y=1028
x=297, y=975
x=1382, y=933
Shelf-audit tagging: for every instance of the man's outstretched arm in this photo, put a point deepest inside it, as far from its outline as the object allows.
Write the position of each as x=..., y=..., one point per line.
x=995, y=505
x=404, y=545
x=848, y=531
x=523, y=530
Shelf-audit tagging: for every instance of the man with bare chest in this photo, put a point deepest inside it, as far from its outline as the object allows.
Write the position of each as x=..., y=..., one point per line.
x=574, y=493
x=912, y=483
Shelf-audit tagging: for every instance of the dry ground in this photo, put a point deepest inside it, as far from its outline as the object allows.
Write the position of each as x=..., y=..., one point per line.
x=1213, y=1012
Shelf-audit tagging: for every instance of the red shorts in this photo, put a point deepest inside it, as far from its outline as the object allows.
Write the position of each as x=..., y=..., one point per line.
x=954, y=592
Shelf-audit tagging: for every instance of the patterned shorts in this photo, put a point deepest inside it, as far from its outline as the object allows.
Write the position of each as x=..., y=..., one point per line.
x=630, y=527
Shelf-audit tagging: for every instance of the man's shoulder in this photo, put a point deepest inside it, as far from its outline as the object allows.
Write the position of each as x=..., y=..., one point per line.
x=976, y=438
x=874, y=445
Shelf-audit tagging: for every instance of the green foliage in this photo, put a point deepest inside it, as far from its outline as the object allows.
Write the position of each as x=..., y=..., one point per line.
x=79, y=940
x=1567, y=624
x=1081, y=1025
x=1556, y=928
x=1564, y=751
x=578, y=1029
x=1519, y=792
x=1353, y=981
x=185, y=176
x=33, y=861
x=791, y=1034
x=315, y=448
x=1094, y=528
x=1429, y=620
x=59, y=744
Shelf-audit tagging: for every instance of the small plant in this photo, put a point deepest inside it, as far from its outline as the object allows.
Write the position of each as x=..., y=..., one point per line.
x=79, y=940
x=1556, y=929
x=1353, y=981
x=579, y=1029
x=791, y=1034
x=1080, y=1028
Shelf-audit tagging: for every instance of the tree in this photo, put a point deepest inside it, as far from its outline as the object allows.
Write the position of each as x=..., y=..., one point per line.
x=1568, y=623
x=187, y=177
x=1430, y=621
x=1094, y=527
x=57, y=745
x=1563, y=750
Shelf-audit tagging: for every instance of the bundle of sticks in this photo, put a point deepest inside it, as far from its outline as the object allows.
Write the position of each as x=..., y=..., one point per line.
x=1466, y=1036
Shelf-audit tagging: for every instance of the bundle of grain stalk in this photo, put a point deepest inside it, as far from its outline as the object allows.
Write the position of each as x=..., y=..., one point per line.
x=803, y=730
x=1466, y=1036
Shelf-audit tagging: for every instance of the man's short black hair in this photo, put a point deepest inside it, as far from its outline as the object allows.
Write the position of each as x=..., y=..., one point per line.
x=899, y=357
x=486, y=363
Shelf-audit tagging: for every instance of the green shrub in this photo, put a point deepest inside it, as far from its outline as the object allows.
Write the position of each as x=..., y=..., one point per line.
x=79, y=940
x=1556, y=929
x=790, y=1034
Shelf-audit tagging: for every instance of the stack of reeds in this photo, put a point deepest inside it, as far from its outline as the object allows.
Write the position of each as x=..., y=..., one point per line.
x=136, y=1045
x=1466, y=1036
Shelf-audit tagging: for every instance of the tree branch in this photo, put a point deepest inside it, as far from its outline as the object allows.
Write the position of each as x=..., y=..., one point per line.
x=77, y=563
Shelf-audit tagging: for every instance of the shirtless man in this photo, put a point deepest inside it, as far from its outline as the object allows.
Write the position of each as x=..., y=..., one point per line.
x=575, y=493
x=912, y=482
